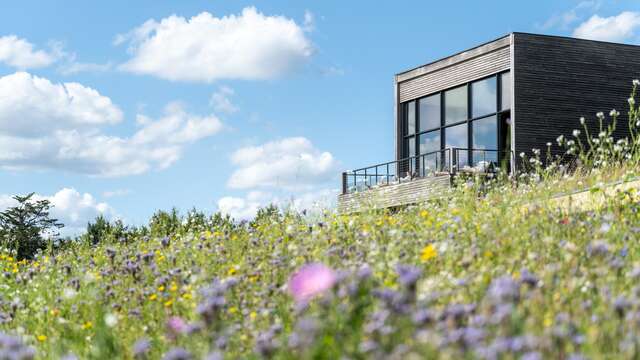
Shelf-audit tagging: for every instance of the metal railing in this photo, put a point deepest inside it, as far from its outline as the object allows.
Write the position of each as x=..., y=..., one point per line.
x=441, y=162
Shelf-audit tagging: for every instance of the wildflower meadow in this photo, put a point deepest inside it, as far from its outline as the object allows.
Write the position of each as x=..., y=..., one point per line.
x=491, y=270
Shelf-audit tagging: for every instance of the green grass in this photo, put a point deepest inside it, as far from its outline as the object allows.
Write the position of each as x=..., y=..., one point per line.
x=490, y=270
x=583, y=264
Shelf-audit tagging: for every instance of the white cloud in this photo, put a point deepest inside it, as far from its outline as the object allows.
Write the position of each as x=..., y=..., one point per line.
x=245, y=208
x=563, y=20
x=74, y=67
x=71, y=208
x=31, y=105
x=59, y=126
x=205, y=48
x=221, y=100
x=617, y=28
x=290, y=163
x=20, y=53
x=116, y=193
x=309, y=23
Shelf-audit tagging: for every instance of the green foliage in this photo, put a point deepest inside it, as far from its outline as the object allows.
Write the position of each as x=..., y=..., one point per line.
x=492, y=269
x=26, y=227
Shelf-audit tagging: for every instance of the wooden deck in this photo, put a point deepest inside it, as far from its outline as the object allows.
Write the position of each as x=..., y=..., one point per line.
x=411, y=192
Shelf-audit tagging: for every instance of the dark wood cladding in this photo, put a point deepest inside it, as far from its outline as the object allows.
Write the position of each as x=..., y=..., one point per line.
x=557, y=80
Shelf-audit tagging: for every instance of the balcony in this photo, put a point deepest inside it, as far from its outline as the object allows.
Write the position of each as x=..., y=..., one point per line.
x=415, y=179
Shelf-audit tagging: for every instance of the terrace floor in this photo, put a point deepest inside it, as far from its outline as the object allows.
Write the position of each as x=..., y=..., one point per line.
x=384, y=196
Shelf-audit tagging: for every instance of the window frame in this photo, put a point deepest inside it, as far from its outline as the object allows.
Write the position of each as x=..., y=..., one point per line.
x=443, y=126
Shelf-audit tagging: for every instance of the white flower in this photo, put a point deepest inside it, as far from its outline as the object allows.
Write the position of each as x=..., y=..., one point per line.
x=636, y=82
x=111, y=320
x=576, y=133
x=614, y=113
x=560, y=139
x=600, y=115
x=522, y=154
x=548, y=144
x=536, y=151
x=632, y=101
x=602, y=134
x=68, y=293
x=582, y=120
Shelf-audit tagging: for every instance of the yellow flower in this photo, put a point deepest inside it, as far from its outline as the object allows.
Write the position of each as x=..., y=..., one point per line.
x=153, y=297
x=232, y=271
x=233, y=310
x=161, y=288
x=173, y=287
x=424, y=213
x=168, y=303
x=186, y=296
x=429, y=252
x=253, y=315
x=87, y=325
x=42, y=338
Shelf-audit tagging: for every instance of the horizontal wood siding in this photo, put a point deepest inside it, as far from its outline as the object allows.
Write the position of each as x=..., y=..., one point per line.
x=456, y=74
x=557, y=80
x=411, y=192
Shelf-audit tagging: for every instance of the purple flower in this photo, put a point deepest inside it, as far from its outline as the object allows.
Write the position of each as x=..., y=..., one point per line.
x=141, y=348
x=311, y=280
x=504, y=288
x=176, y=326
x=178, y=354
x=408, y=275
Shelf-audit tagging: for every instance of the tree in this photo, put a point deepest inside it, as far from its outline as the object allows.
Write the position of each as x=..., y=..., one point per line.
x=26, y=227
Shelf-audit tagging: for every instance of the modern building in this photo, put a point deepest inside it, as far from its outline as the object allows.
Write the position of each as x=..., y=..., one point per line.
x=475, y=110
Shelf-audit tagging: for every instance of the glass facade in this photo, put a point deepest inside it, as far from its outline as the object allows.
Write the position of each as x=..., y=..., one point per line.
x=505, y=91
x=484, y=97
x=455, y=105
x=465, y=117
x=411, y=118
x=430, y=112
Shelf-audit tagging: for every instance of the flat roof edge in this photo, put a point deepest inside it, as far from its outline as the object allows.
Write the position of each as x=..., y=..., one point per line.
x=461, y=56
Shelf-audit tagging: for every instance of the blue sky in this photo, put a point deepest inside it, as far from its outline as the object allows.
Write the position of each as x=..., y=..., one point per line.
x=228, y=105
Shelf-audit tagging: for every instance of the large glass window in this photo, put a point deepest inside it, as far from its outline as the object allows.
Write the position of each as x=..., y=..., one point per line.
x=505, y=91
x=469, y=120
x=484, y=97
x=456, y=137
x=411, y=118
x=485, y=136
x=430, y=112
x=455, y=105
x=429, y=142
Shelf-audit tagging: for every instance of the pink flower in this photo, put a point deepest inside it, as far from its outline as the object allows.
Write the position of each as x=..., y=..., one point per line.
x=176, y=326
x=311, y=280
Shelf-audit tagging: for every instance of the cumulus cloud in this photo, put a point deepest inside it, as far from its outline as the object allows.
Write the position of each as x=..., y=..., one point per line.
x=31, y=105
x=72, y=208
x=221, y=100
x=618, y=28
x=290, y=163
x=60, y=126
x=565, y=19
x=20, y=53
x=75, y=67
x=245, y=208
x=205, y=48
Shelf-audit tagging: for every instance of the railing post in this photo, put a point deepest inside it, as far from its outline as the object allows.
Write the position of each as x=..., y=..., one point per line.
x=344, y=183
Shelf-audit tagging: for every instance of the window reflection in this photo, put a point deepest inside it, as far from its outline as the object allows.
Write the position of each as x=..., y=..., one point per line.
x=430, y=112
x=456, y=105
x=484, y=97
x=411, y=117
x=485, y=136
x=456, y=137
x=505, y=90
